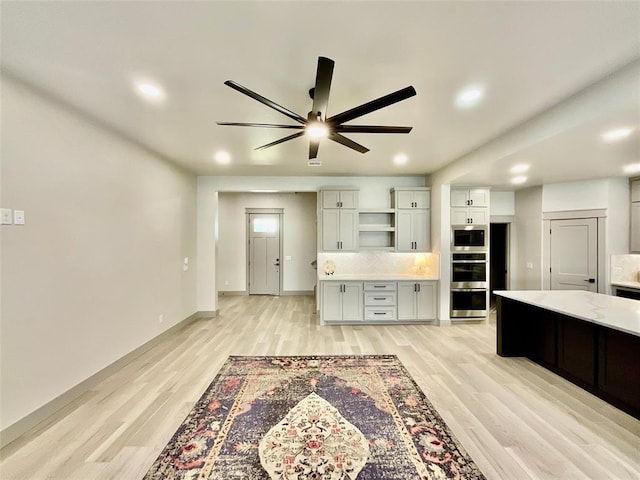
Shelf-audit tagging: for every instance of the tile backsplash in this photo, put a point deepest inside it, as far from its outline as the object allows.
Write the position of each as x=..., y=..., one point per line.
x=625, y=268
x=426, y=264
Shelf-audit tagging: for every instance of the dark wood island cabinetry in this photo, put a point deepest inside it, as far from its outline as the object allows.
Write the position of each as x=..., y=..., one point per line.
x=590, y=339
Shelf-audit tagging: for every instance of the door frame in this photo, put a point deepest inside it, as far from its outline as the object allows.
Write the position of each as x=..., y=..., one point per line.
x=601, y=216
x=268, y=211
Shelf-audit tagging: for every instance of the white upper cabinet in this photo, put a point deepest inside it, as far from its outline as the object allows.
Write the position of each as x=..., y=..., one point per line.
x=470, y=197
x=635, y=216
x=339, y=199
x=413, y=219
x=469, y=206
x=411, y=198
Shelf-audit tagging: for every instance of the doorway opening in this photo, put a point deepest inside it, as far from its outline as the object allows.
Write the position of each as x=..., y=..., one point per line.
x=498, y=258
x=264, y=251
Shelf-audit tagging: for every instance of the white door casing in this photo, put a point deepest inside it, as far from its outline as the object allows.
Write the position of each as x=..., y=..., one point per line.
x=264, y=254
x=574, y=254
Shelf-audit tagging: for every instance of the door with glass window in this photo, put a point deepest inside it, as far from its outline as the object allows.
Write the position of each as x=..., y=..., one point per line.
x=264, y=254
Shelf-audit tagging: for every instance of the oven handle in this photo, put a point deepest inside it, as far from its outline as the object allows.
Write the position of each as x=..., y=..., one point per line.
x=468, y=261
x=468, y=289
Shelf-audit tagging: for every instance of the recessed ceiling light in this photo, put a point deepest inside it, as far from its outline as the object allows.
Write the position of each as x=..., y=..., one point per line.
x=617, y=134
x=222, y=157
x=632, y=168
x=150, y=91
x=519, y=179
x=400, y=159
x=519, y=168
x=469, y=96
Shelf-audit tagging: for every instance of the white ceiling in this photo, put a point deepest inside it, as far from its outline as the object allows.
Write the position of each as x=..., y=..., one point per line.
x=529, y=55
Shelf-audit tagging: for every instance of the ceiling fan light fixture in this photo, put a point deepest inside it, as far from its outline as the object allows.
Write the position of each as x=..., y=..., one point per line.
x=317, y=130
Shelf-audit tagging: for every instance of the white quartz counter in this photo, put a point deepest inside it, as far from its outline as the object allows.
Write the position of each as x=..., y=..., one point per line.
x=376, y=277
x=635, y=285
x=618, y=313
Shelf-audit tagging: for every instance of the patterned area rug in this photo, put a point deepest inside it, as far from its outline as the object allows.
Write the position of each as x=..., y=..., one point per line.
x=313, y=417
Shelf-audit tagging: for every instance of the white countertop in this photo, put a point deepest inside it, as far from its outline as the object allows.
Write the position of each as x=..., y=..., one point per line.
x=376, y=277
x=618, y=313
x=635, y=285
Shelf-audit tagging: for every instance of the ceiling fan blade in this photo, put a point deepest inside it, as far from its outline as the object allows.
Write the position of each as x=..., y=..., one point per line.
x=265, y=101
x=373, y=105
x=267, y=125
x=336, y=137
x=313, y=148
x=290, y=137
x=370, y=129
x=323, y=85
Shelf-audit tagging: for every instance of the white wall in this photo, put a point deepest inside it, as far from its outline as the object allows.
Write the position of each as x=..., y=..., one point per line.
x=527, y=239
x=100, y=256
x=503, y=203
x=374, y=193
x=609, y=194
x=299, y=238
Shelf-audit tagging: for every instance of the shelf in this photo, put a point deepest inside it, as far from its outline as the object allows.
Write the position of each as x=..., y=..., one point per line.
x=376, y=228
x=377, y=210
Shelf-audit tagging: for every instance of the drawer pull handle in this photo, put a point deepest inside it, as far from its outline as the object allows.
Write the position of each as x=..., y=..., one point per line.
x=379, y=298
x=379, y=313
x=378, y=286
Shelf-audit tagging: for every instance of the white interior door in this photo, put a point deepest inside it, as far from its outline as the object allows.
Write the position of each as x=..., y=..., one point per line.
x=264, y=254
x=574, y=254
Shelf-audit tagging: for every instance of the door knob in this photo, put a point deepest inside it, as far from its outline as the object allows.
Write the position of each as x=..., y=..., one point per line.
x=591, y=280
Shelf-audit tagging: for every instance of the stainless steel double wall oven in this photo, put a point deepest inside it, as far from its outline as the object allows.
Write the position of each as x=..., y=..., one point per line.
x=469, y=247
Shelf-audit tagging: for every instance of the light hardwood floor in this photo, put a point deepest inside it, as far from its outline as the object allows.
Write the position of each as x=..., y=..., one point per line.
x=516, y=419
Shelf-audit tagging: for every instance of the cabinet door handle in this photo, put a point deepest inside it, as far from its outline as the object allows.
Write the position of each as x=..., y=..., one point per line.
x=471, y=202
x=415, y=287
x=418, y=286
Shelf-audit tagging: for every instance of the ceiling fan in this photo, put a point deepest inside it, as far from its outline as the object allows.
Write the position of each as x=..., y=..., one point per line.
x=317, y=125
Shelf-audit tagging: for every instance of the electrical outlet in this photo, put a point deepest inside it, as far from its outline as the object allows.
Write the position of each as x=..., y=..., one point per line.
x=530, y=265
x=185, y=264
x=7, y=216
x=287, y=257
x=226, y=282
x=160, y=318
x=18, y=217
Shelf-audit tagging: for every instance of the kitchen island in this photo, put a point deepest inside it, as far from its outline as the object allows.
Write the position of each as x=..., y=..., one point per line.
x=591, y=339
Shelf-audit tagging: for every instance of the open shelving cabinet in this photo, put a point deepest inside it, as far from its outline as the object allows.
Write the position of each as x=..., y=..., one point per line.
x=376, y=229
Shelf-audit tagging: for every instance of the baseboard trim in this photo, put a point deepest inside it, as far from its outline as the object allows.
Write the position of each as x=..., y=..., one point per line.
x=230, y=293
x=31, y=420
x=296, y=292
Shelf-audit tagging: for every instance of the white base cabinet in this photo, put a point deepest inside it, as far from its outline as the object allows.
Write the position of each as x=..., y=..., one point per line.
x=341, y=301
x=416, y=300
x=371, y=302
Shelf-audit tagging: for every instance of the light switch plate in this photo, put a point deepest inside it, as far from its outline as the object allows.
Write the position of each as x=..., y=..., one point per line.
x=18, y=217
x=7, y=216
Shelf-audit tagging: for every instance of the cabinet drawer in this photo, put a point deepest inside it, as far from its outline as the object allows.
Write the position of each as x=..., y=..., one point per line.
x=379, y=313
x=379, y=298
x=379, y=286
